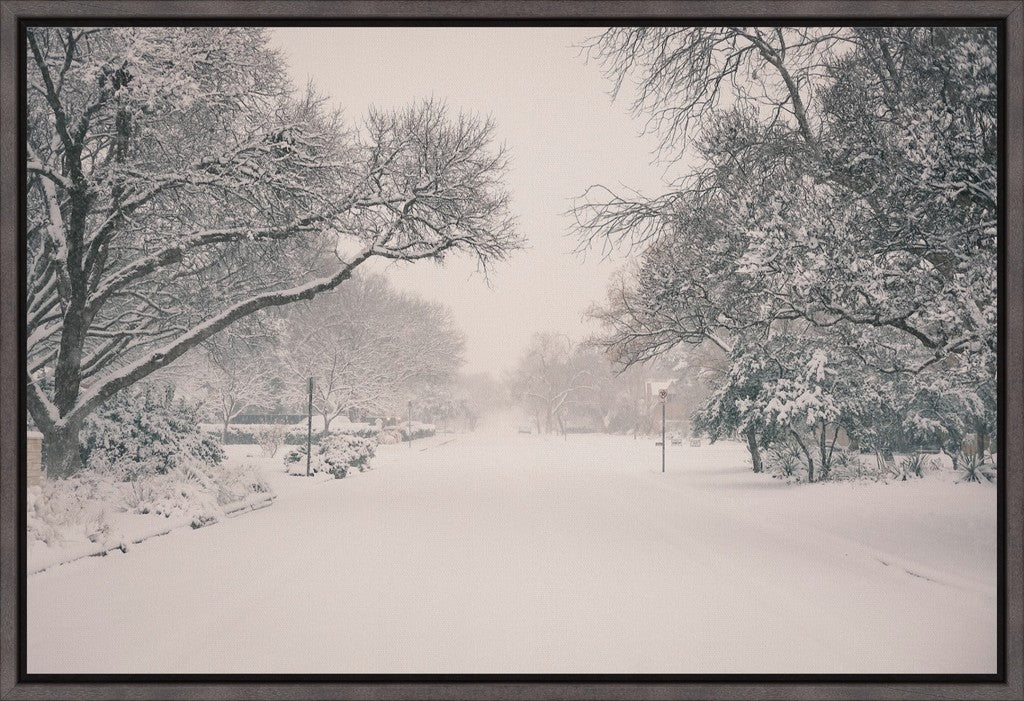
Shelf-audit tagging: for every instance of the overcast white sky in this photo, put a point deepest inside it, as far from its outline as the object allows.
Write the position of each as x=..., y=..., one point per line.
x=554, y=114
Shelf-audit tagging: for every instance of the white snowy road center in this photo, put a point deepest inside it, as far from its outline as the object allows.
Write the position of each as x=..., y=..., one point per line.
x=509, y=554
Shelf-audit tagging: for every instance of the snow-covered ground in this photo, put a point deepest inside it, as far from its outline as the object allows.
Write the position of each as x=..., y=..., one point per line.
x=499, y=553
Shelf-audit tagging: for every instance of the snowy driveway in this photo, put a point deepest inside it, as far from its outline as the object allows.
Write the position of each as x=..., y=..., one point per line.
x=516, y=553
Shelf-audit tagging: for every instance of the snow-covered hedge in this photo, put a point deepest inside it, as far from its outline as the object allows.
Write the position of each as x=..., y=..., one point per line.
x=337, y=454
x=146, y=432
x=250, y=434
x=418, y=431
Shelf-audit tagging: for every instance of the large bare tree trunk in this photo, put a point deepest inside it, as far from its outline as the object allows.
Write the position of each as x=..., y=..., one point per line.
x=61, y=451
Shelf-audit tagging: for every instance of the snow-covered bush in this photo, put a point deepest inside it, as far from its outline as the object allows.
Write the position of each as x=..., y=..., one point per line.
x=389, y=438
x=337, y=454
x=782, y=460
x=73, y=509
x=197, y=491
x=347, y=452
x=849, y=465
x=975, y=469
x=145, y=431
x=916, y=464
x=418, y=431
x=81, y=507
x=270, y=438
x=295, y=460
x=185, y=491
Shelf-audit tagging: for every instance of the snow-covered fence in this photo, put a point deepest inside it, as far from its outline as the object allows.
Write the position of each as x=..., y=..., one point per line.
x=34, y=458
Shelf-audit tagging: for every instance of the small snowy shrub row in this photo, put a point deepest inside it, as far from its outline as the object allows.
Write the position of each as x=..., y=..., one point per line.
x=146, y=431
x=82, y=507
x=418, y=431
x=143, y=453
x=336, y=454
x=400, y=434
x=916, y=464
x=196, y=491
x=783, y=460
x=850, y=466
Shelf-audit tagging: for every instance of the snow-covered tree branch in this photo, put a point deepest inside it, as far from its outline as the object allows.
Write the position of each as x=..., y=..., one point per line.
x=177, y=184
x=844, y=194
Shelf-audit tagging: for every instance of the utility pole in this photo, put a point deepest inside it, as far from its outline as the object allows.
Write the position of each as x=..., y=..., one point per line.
x=309, y=429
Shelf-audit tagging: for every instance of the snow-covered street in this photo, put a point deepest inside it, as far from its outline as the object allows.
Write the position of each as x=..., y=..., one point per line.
x=497, y=553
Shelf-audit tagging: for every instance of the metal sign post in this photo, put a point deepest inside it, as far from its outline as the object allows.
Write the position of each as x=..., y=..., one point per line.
x=663, y=395
x=309, y=429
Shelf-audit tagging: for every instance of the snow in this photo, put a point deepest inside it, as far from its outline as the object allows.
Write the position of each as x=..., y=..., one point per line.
x=498, y=553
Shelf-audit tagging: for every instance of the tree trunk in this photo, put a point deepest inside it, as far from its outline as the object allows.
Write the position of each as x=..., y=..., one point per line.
x=807, y=455
x=825, y=462
x=61, y=452
x=224, y=431
x=981, y=434
x=755, y=454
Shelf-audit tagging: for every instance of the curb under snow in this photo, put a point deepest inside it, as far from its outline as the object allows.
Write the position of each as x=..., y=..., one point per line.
x=231, y=510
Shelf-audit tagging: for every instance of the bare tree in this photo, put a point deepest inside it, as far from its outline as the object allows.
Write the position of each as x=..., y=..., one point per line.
x=368, y=348
x=233, y=371
x=549, y=377
x=684, y=76
x=176, y=184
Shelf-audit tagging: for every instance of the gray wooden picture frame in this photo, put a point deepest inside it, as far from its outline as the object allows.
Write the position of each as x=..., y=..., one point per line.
x=1008, y=12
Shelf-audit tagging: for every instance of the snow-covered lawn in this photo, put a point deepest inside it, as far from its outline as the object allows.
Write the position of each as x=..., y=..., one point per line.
x=520, y=553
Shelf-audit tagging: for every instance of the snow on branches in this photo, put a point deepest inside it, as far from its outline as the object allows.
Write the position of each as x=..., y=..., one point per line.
x=843, y=196
x=177, y=183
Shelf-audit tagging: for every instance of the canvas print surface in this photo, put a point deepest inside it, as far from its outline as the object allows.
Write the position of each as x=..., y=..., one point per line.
x=511, y=350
